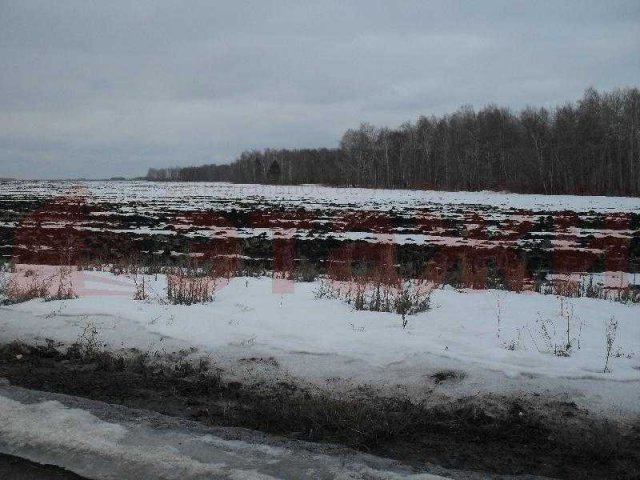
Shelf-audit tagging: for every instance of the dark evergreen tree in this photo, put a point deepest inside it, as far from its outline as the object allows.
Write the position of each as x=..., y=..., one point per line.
x=274, y=172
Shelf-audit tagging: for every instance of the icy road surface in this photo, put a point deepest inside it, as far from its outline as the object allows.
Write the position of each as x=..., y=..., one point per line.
x=107, y=442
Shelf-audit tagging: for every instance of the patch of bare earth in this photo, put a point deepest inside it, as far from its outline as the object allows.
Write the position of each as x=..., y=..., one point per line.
x=490, y=433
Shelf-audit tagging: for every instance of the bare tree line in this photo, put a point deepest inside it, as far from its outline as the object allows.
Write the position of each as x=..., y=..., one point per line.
x=588, y=147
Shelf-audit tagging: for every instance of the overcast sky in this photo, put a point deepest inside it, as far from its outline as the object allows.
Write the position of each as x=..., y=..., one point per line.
x=105, y=88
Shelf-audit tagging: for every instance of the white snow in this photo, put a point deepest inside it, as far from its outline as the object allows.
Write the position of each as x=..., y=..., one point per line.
x=496, y=338
x=324, y=341
x=490, y=219
x=50, y=432
x=196, y=196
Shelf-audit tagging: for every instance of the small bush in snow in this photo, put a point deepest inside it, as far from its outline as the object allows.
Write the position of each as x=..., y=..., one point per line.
x=630, y=294
x=395, y=294
x=64, y=290
x=305, y=271
x=559, y=336
x=24, y=284
x=612, y=329
x=196, y=280
x=326, y=289
x=516, y=343
x=4, y=278
x=588, y=287
x=87, y=345
x=141, y=290
x=186, y=286
x=412, y=297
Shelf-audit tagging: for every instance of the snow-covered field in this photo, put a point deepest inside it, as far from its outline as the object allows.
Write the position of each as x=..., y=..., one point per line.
x=310, y=212
x=481, y=344
x=494, y=341
x=189, y=195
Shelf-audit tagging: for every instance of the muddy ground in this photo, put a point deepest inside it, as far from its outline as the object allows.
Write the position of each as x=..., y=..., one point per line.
x=32, y=231
x=15, y=468
x=493, y=434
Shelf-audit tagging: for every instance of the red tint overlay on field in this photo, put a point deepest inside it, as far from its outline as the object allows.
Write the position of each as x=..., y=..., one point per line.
x=49, y=245
x=54, y=235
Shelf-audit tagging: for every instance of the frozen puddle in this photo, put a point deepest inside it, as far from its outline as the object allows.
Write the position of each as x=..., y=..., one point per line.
x=102, y=441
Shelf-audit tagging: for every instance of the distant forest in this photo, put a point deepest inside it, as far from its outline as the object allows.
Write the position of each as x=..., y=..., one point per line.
x=591, y=147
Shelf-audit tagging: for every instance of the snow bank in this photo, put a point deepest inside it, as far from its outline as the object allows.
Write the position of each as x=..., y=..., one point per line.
x=500, y=341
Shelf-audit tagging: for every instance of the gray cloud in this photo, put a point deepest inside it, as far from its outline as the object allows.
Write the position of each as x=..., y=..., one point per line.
x=111, y=88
